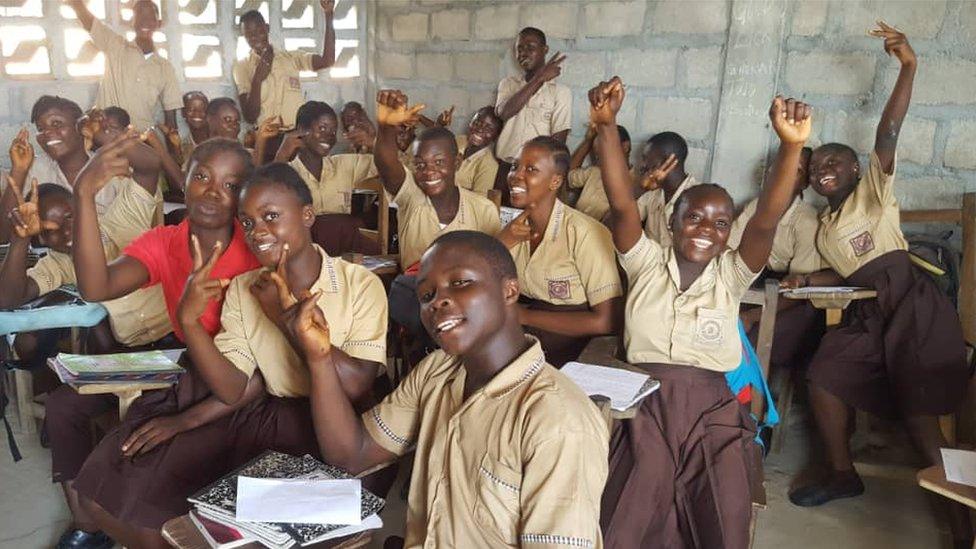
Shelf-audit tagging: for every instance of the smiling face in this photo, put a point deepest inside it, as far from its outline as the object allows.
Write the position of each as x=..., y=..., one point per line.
x=484, y=127
x=109, y=130
x=700, y=224
x=434, y=164
x=353, y=116
x=462, y=300
x=530, y=52
x=56, y=208
x=57, y=134
x=195, y=112
x=145, y=19
x=256, y=35
x=321, y=136
x=405, y=137
x=534, y=176
x=272, y=216
x=226, y=122
x=833, y=171
x=211, y=189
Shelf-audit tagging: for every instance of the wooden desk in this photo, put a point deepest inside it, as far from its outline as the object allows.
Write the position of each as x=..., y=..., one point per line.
x=602, y=351
x=381, y=271
x=127, y=392
x=933, y=479
x=181, y=533
x=833, y=303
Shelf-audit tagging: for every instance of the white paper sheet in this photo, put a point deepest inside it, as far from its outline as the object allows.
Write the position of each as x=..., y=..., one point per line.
x=299, y=501
x=960, y=466
x=807, y=290
x=623, y=387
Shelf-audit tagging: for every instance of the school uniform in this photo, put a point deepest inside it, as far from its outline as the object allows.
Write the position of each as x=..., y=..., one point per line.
x=46, y=170
x=519, y=463
x=152, y=488
x=572, y=269
x=680, y=469
x=332, y=187
x=547, y=112
x=281, y=91
x=656, y=211
x=477, y=172
x=592, y=199
x=418, y=224
x=902, y=353
x=134, y=80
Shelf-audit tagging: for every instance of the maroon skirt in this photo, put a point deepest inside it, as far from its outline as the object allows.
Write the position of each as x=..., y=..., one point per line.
x=682, y=470
x=900, y=354
x=559, y=349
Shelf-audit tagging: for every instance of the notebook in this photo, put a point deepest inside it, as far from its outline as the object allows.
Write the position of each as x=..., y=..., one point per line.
x=624, y=388
x=149, y=366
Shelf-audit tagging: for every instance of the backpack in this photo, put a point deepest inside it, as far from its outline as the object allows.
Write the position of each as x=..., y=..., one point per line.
x=937, y=257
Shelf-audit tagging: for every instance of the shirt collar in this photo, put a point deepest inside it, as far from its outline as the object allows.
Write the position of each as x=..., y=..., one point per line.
x=556, y=219
x=705, y=280
x=688, y=181
x=328, y=280
x=520, y=370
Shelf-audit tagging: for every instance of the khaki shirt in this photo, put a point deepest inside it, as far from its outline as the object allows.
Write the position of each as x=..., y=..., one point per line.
x=353, y=302
x=477, y=172
x=419, y=225
x=656, y=212
x=866, y=226
x=520, y=463
x=332, y=189
x=547, y=112
x=795, y=244
x=46, y=170
x=573, y=264
x=697, y=327
x=133, y=80
x=281, y=91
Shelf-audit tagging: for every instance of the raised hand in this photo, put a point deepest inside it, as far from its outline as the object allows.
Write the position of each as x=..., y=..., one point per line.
x=328, y=7
x=26, y=217
x=895, y=43
x=392, y=109
x=362, y=137
x=200, y=289
x=263, y=68
x=551, y=69
x=791, y=119
x=445, y=118
x=605, y=101
x=269, y=129
x=307, y=328
x=110, y=161
x=172, y=137
x=151, y=139
x=518, y=231
x=271, y=289
x=91, y=124
x=21, y=152
x=653, y=177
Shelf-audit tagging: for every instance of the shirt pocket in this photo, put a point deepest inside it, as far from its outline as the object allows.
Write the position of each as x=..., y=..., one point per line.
x=563, y=286
x=711, y=327
x=497, y=501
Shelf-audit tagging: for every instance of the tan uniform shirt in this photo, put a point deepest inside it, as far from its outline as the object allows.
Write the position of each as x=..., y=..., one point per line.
x=547, y=112
x=795, y=244
x=656, y=212
x=353, y=302
x=573, y=264
x=46, y=170
x=133, y=80
x=281, y=91
x=477, y=172
x=419, y=225
x=140, y=317
x=866, y=226
x=520, y=463
x=332, y=189
x=697, y=327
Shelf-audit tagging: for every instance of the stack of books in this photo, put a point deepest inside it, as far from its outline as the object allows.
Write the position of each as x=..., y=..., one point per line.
x=143, y=367
x=215, y=507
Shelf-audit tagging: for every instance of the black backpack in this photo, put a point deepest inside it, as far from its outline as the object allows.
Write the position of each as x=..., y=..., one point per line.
x=938, y=251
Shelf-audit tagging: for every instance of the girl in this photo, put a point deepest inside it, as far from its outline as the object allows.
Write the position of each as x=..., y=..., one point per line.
x=479, y=167
x=567, y=272
x=679, y=471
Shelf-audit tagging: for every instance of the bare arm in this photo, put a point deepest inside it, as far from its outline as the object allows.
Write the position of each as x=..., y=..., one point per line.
x=169, y=118
x=886, y=138
x=583, y=149
x=146, y=164
x=21, y=160
x=391, y=112
x=603, y=318
x=84, y=16
x=18, y=287
x=519, y=99
x=327, y=59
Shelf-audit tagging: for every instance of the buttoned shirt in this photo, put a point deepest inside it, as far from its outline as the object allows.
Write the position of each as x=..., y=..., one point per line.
x=547, y=112
x=656, y=212
x=795, y=244
x=477, y=172
x=332, y=189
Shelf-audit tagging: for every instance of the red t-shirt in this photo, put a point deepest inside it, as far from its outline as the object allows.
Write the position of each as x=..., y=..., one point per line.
x=165, y=252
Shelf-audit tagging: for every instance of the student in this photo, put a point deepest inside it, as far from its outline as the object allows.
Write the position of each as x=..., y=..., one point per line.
x=567, y=272
x=357, y=128
x=136, y=77
x=679, y=471
x=532, y=104
x=509, y=452
x=592, y=198
x=479, y=167
x=224, y=118
x=664, y=178
x=194, y=113
x=268, y=79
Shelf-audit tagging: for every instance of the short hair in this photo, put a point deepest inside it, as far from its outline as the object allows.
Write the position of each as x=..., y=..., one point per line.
x=838, y=148
x=489, y=110
x=195, y=94
x=682, y=198
x=281, y=174
x=219, y=102
x=119, y=114
x=150, y=2
x=670, y=143
x=623, y=133
x=46, y=103
x=353, y=105
x=48, y=191
x=439, y=132
x=489, y=248
x=533, y=31
x=312, y=111
x=252, y=16
x=216, y=145
x=558, y=150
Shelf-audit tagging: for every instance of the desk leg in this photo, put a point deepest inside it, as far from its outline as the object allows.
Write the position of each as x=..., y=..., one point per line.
x=834, y=316
x=125, y=400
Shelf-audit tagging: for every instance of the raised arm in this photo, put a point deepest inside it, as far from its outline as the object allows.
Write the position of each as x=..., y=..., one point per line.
x=327, y=59
x=27, y=223
x=886, y=138
x=250, y=99
x=21, y=160
x=171, y=169
x=519, y=99
x=146, y=163
x=791, y=120
x=625, y=223
x=583, y=149
x=391, y=112
x=81, y=10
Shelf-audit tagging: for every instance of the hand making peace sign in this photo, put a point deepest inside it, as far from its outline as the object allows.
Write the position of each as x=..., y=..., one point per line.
x=200, y=289
x=26, y=218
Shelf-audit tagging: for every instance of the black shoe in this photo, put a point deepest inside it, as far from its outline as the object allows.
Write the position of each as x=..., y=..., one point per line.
x=835, y=486
x=79, y=539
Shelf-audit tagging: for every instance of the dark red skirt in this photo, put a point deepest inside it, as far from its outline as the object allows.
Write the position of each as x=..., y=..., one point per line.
x=681, y=471
x=900, y=354
x=559, y=349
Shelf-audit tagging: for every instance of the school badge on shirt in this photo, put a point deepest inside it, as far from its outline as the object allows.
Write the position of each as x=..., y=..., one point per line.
x=559, y=289
x=710, y=326
x=862, y=243
x=294, y=82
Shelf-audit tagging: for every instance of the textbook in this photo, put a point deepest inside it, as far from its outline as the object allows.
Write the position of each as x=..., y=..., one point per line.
x=218, y=501
x=217, y=535
x=624, y=388
x=148, y=366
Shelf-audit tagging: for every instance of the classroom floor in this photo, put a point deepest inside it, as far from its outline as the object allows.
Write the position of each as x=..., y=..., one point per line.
x=893, y=513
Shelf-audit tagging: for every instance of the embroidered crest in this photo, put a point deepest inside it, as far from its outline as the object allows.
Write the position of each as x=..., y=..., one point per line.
x=558, y=289
x=295, y=83
x=862, y=243
x=710, y=326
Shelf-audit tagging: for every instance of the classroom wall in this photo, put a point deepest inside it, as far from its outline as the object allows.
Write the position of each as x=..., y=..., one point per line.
x=708, y=69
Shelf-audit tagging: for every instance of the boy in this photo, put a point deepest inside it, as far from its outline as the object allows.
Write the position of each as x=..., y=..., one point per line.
x=509, y=452
x=224, y=119
x=592, y=198
x=136, y=77
x=195, y=105
x=479, y=168
x=663, y=176
x=268, y=80
x=357, y=128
